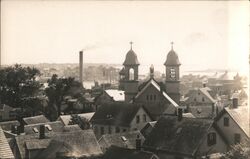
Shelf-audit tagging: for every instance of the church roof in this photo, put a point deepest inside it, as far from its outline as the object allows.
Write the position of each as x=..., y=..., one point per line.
x=172, y=58
x=131, y=58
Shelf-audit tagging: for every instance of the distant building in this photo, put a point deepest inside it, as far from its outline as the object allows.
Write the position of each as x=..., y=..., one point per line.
x=110, y=95
x=119, y=117
x=179, y=137
x=8, y=113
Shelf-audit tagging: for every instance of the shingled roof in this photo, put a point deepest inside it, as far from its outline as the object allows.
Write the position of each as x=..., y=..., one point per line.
x=124, y=153
x=5, y=151
x=119, y=114
x=65, y=119
x=126, y=139
x=183, y=137
x=75, y=143
x=56, y=126
x=7, y=124
x=35, y=119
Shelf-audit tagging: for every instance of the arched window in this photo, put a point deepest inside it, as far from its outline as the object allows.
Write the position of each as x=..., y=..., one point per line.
x=131, y=74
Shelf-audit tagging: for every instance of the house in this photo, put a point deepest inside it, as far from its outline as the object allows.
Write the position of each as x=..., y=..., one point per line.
x=234, y=123
x=5, y=151
x=119, y=117
x=155, y=100
x=7, y=125
x=110, y=95
x=35, y=119
x=115, y=152
x=180, y=137
x=200, y=96
x=125, y=140
x=7, y=112
x=56, y=145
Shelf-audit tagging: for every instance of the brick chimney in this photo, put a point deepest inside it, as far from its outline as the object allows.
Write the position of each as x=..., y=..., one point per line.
x=179, y=114
x=235, y=102
x=42, y=132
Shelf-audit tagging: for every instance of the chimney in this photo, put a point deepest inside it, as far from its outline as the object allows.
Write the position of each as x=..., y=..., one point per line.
x=204, y=85
x=42, y=132
x=235, y=102
x=138, y=143
x=179, y=114
x=151, y=71
x=81, y=67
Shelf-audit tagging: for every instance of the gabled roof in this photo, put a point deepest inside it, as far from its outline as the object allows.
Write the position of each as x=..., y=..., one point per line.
x=7, y=124
x=205, y=91
x=65, y=119
x=116, y=95
x=115, y=152
x=5, y=151
x=76, y=143
x=35, y=119
x=158, y=88
x=118, y=114
x=56, y=126
x=202, y=111
x=239, y=115
x=126, y=139
x=183, y=137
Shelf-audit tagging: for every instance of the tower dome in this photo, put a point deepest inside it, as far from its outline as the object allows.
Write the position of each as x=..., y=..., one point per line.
x=131, y=57
x=172, y=58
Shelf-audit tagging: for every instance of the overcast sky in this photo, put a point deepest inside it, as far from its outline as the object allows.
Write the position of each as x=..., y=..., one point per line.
x=205, y=34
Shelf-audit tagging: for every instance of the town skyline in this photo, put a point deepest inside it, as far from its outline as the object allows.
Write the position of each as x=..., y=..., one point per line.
x=51, y=32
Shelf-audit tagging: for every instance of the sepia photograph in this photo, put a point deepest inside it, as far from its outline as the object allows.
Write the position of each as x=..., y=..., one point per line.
x=127, y=79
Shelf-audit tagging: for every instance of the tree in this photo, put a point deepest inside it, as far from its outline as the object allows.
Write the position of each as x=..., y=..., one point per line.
x=82, y=122
x=19, y=84
x=57, y=89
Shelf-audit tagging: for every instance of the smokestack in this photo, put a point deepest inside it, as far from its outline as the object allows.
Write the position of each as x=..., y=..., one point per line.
x=179, y=114
x=81, y=67
x=42, y=132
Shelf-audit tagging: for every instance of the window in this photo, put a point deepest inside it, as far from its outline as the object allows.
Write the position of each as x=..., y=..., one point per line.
x=195, y=99
x=124, y=130
x=154, y=97
x=211, y=139
x=226, y=121
x=203, y=99
x=151, y=97
x=131, y=74
x=147, y=97
x=137, y=119
x=102, y=130
x=199, y=93
x=172, y=73
x=117, y=129
x=110, y=129
x=144, y=118
x=237, y=138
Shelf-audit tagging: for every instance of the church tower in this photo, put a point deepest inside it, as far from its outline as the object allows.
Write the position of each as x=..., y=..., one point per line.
x=172, y=65
x=130, y=81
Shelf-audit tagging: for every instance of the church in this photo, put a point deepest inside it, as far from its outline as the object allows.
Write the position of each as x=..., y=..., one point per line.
x=158, y=98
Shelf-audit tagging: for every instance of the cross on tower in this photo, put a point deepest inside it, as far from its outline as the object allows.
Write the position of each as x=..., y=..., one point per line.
x=172, y=43
x=131, y=44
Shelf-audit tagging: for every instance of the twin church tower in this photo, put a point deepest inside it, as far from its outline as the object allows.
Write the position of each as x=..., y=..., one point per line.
x=129, y=75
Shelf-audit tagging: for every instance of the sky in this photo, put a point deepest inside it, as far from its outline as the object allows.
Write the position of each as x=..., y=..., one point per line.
x=206, y=35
